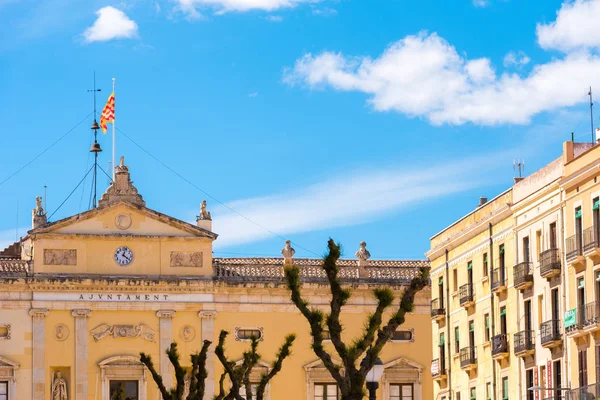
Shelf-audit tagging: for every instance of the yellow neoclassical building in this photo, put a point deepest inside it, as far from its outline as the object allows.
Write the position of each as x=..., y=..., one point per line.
x=516, y=289
x=81, y=297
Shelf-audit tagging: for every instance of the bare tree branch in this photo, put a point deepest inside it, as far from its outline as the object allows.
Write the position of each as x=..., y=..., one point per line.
x=147, y=361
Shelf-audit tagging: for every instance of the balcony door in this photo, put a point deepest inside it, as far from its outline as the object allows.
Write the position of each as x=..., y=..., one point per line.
x=581, y=300
x=528, y=327
x=553, y=235
x=526, y=255
x=578, y=231
x=555, y=311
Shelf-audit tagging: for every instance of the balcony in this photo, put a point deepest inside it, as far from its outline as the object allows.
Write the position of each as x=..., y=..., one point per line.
x=572, y=324
x=590, y=317
x=591, y=243
x=465, y=294
x=590, y=392
x=438, y=369
x=523, y=275
x=437, y=310
x=524, y=343
x=498, y=281
x=500, y=349
x=550, y=263
x=550, y=333
x=574, y=253
x=468, y=358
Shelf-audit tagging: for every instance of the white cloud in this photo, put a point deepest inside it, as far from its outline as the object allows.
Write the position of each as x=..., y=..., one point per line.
x=424, y=76
x=111, y=24
x=480, y=3
x=191, y=7
x=253, y=94
x=517, y=59
x=325, y=11
x=575, y=27
x=157, y=7
x=346, y=200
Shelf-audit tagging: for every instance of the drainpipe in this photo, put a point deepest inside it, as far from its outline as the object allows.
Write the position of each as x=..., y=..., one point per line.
x=448, y=341
x=490, y=274
x=565, y=288
x=516, y=258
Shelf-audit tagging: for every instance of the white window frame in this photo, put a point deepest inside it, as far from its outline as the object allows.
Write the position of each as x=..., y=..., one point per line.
x=253, y=328
x=402, y=370
x=315, y=372
x=122, y=368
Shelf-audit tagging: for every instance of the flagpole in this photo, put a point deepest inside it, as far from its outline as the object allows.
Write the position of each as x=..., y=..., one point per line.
x=113, y=132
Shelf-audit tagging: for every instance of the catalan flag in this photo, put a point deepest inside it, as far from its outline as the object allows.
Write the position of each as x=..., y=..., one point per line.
x=108, y=113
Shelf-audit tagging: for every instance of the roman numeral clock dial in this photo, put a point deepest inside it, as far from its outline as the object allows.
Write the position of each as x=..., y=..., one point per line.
x=123, y=256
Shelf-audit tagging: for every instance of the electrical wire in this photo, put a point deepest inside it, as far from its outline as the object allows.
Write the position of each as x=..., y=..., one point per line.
x=210, y=196
x=73, y=191
x=102, y=169
x=44, y=151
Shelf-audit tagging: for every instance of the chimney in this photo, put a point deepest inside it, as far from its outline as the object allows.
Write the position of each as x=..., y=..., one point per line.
x=518, y=179
x=568, y=153
x=482, y=201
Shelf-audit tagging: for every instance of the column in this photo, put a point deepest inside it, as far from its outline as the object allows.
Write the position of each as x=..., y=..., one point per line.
x=81, y=353
x=166, y=338
x=39, y=350
x=208, y=333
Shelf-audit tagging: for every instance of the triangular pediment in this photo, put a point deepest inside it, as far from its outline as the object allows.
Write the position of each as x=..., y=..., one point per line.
x=6, y=363
x=318, y=364
x=126, y=219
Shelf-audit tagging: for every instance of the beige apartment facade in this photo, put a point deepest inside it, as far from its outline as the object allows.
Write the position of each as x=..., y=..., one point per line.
x=547, y=298
x=81, y=297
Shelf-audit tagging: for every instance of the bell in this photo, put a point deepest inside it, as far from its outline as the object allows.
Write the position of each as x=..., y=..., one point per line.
x=95, y=148
x=95, y=126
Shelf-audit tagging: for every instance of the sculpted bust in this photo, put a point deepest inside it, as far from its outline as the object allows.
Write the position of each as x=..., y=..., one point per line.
x=363, y=254
x=288, y=252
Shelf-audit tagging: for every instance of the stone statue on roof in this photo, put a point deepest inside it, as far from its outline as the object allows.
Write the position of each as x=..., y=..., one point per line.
x=288, y=252
x=204, y=214
x=363, y=255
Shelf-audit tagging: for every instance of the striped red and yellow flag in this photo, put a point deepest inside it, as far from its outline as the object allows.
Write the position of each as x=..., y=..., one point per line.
x=108, y=112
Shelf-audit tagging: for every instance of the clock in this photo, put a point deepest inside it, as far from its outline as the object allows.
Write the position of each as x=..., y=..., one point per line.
x=123, y=256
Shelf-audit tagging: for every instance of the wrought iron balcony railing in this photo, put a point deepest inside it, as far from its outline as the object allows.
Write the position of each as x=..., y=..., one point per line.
x=498, y=281
x=590, y=392
x=590, y=239
x=550, y=333
x=550, y=263
x=468, y=357
x=500, y=345
x=524, y=342
x=437, y=309
x=589, y=315
x=523, y=275
x=574, y=247
x=465, y=294
x=438, y=368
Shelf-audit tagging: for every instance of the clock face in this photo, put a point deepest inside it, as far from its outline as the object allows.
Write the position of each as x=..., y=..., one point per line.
x=123, y=255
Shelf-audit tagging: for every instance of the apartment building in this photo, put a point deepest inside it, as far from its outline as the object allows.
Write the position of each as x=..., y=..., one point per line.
x=516, y=289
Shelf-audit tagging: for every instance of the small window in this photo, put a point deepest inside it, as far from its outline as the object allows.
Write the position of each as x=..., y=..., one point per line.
x=404, y=336
x=473, y=393
x=248, y=333
x=3, y=390
x=326, y=391
x=401, y=391
x=455, y=283
x=505, y=388
x=485, y=264
x=456, y=340
x=486, y=318
x=253, y=387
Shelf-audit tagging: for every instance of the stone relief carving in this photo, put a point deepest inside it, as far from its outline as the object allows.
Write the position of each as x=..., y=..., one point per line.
x=5, y=332
x=187, y=333
x=204, y=214
x=60, y=257
x=186, y=259
x=59, y=387
x=123, y=221
x=61, y=332
x=121, y=188
x=288, y=252
x=130, y=331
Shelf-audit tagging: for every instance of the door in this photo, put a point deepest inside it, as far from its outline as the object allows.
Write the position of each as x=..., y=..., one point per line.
x=555, y=311
x=472, y=339
x=441, y=293
x=528, y=327
x=526, y=249
x=553, y=235
x=556, y=371
x=578, y=231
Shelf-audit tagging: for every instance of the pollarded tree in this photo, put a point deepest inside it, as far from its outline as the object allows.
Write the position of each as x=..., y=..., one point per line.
x=350, y=376
x=239, y=375
x=197, y=378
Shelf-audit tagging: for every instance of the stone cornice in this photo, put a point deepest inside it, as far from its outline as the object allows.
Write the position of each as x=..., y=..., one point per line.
x=81, y=313
x=165, y=313
x=39, y=312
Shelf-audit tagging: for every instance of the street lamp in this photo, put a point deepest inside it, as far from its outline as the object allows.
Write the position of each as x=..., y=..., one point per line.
x=373, y=377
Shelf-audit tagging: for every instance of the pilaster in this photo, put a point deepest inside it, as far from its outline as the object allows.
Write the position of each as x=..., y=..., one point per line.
x=166, y=338
x=208, y=333
x=39, y=350
x=81, y=353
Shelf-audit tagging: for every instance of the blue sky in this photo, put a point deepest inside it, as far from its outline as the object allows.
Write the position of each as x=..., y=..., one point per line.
x=376, y=120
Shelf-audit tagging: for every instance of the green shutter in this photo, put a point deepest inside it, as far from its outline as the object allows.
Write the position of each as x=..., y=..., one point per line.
x=470, y=265
x=501, y=249
x=487, y=322
x=596, y=204
x=505, y=388
x=441, y=281
x=485, y=258
x=472, y=326
x=598, y=276
x=578, y=213
x=503, y=311
x=456, y=339
x=581, y=284
x=442, y=339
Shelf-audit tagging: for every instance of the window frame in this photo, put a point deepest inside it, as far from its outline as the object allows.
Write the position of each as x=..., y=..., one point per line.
x=239, y=329
x=402, y=384
x=7, y=394
x=325, y=395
